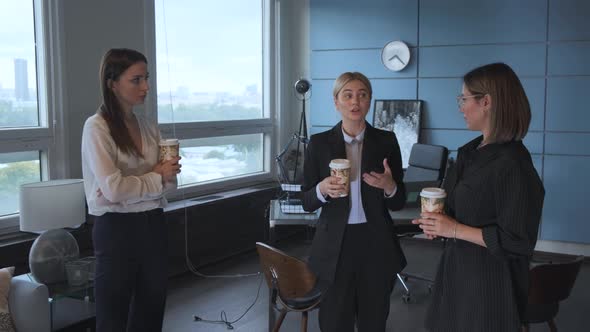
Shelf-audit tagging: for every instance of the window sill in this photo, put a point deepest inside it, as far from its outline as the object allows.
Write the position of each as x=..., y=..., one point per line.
x=211, y=198
x=12, y=235
x=18, y=237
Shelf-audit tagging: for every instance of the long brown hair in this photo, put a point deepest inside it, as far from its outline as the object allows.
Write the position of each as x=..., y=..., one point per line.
x=114, y=63
x=510, y=112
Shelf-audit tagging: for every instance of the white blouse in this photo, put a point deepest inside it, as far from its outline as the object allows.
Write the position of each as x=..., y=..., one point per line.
x=118, y=182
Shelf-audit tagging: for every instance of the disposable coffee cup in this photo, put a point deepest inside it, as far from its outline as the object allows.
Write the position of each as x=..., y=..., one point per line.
x=168, y=148
x=340, y=168
x=433, y=200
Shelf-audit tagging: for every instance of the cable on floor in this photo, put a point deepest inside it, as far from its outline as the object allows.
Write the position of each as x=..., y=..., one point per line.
x=223, y=316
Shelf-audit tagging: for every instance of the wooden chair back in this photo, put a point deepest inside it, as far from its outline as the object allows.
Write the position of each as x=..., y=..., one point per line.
x=293, y=275
x=553, y=282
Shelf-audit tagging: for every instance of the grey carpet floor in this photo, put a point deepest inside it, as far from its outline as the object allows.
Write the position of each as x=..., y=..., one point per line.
x=214, y=298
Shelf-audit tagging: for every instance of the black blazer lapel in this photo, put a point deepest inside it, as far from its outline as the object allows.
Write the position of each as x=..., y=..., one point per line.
x=338, y=151
x=337, y=147
x=370, y=149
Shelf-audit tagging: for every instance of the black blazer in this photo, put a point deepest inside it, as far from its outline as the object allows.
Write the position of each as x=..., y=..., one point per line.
x=377, y=145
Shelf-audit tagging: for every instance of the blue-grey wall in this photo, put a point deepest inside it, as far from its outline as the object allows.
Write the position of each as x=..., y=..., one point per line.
x=547, y=43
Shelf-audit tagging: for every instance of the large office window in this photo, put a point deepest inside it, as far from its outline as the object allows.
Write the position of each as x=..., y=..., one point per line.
x=24, y=134
x=212, y=58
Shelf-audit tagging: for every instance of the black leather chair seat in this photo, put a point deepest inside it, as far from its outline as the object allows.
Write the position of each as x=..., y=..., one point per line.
x=539, y=313
x=307, y=300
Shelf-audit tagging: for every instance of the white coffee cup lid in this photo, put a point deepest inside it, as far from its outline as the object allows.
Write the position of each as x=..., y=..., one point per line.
x=169, y=141
x=433, y=193
x=340, y=163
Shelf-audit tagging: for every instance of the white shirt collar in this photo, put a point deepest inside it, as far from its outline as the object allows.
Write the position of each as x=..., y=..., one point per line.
x=348, y=139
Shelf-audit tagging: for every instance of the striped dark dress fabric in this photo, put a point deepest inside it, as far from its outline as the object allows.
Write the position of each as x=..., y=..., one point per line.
x=495, y=188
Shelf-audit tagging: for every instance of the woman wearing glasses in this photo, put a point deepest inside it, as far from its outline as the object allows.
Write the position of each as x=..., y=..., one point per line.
x=493, y=209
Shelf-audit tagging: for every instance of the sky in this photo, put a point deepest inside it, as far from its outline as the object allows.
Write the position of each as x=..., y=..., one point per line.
x=18, y=41
x=211, y=46
x=205, y=46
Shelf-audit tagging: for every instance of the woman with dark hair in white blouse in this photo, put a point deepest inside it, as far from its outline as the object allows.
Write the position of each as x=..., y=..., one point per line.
x=125, y=185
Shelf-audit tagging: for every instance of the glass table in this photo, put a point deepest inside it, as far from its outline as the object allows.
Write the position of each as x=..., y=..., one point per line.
x=71, y=306
x=277, y=217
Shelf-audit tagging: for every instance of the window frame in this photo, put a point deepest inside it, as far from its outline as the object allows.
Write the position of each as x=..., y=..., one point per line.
x=49, y=137
x=267, y=125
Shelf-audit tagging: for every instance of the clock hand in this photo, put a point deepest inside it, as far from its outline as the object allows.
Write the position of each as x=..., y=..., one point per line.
x=398, y=59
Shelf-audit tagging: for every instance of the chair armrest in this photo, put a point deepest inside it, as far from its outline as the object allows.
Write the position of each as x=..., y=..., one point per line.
x=29, y=305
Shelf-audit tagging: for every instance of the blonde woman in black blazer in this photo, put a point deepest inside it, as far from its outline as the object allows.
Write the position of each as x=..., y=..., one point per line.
x=355, y=250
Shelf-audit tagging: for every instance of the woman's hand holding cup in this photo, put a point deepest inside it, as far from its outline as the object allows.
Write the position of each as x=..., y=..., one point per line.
x=168, y=169
x=332, y=186
x=433, y=221
x=168, y=156
x=340, y=170
x=435, y=224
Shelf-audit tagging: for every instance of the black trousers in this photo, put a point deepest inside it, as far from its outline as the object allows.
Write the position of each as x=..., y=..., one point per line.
x=131, y=271
x=361, y=290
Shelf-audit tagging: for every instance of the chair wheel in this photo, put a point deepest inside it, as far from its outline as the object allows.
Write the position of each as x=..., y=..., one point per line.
x=406, y=298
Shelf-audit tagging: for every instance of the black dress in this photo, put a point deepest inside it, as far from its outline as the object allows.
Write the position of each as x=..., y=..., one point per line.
x=495, y=188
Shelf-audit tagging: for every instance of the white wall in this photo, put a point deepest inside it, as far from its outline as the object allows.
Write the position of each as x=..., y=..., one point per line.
x=294, y=60
x=91, y=28
x=563, y=247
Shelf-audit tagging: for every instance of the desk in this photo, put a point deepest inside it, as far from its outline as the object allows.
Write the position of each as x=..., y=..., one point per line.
x=277, y=218
x=405, y=215
x=402, y=219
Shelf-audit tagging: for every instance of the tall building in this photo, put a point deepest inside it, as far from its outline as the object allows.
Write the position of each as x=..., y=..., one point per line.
x=21, y=82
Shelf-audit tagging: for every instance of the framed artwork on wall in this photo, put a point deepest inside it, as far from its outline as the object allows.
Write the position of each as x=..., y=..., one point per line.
x=403, y=118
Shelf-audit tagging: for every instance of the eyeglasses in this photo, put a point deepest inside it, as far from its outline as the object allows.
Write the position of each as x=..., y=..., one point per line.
x=462, y=99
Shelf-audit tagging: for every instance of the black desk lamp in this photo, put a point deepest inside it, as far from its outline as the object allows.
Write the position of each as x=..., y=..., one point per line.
x=302, y=87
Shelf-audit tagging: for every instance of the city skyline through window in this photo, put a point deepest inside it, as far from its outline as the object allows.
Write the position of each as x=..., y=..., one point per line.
x=18, y=76
x=19, y=107
x=209, y=63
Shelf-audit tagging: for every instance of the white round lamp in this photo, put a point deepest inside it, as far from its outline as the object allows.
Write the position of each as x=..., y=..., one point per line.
x=47, y=207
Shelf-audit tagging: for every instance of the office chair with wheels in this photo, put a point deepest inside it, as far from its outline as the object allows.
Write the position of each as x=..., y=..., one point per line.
x=291, y=284
x=427, y=167
x=549, y=283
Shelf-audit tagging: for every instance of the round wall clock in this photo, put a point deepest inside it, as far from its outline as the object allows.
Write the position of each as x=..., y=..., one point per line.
x=395, y=55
